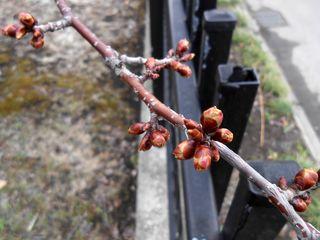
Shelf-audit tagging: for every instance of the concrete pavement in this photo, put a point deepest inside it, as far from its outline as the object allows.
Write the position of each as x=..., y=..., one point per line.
x=291, y=30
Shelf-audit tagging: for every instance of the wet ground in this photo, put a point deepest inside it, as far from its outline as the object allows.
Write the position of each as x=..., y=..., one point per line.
x=65, y=153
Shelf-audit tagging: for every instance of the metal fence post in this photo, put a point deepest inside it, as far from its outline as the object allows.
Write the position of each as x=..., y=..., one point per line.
x=199, y=218
x=251, y=216
x=156, y=30
x=215, y=45
x=195, y=11
x=235, y=94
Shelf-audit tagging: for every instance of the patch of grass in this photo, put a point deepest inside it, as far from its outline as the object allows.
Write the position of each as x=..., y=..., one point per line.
x=2, y=225
x=228, y=3
x=312, y=214
x=242, y=21
x=280, y=106
x=249, y=52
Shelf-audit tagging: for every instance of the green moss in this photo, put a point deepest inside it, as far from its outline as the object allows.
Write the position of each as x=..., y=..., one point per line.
x=22, y=89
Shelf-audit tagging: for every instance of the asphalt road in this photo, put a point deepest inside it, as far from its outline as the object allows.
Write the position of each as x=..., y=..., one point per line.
x=291, y=29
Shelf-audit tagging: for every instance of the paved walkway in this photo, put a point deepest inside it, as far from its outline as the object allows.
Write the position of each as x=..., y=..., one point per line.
x=291, y=29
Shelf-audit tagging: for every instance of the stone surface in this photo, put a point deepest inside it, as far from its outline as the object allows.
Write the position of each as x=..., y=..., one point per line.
x=65, y=153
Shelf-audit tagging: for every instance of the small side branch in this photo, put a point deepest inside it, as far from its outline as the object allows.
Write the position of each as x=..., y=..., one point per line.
x=54, y=26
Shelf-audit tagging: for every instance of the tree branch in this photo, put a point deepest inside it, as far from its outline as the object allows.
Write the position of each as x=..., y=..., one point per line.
x=54, y=26
x=271, y=191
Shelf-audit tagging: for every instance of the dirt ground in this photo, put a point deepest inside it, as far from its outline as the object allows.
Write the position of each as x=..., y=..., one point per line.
x=65, y=153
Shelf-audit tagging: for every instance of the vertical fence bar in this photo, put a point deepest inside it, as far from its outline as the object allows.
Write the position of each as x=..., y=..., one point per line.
x=251, y=216
x=236, y=90
x=194, y=21
x=215, y=45
x=156, y=25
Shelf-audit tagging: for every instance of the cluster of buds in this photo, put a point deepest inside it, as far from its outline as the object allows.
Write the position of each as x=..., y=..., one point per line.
x=155, y=135
x=304, y=181
x=26, y=25
x=177, y=58
x=201, y=137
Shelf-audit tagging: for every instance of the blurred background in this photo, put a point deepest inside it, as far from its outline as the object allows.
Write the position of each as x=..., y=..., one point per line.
x=67, y=164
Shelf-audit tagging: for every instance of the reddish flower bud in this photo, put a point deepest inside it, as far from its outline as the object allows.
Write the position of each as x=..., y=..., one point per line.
x=305, y=179
x=174, y=65
x=37, y=33
x=37, y=42
x=165, y=133
x=299, y=204
x=171, y=53
x=137, y=128
x=182, y=46
x=191, y=124
x=195, y=134
x=21, y=32
x=145, y=143
x=187, y=57
x=146, y=126
x=10, y=30
x=154, y=76
x=157, y=139
x=27, y=19
x=223, y=135
x=150, y=63
x=185, y=150
x=211, y=119
x=202, y=158
x=307, y=198
x=215, y=153
x=282, y=183
x=184, y=70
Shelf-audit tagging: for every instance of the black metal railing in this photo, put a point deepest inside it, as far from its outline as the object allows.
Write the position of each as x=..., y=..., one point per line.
x=195, y=198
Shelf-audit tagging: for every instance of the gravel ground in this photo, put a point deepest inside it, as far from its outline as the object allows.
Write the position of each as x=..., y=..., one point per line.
x=64, y=150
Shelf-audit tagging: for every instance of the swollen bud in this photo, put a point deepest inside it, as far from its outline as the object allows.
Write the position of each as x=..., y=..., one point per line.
x=282, y=183
x=137, y=128
x=185, y=150
x=174, y=65
x=305, y=179
x=202, y=158
x=165, y=133
x=191, y=124
x=307, y=198
x=223, y=135
x=27, y=19
x=195, y=134
x=150, y=63
x=215, y=153
x=37, y=33
x=184, y=70
x=10, y=30
x=299, y=204
x=211, y=119
x=145, y=143
x=37, y=42
x=183, y=46
x=21, y=32
x=188, y=57
x=157, y=139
